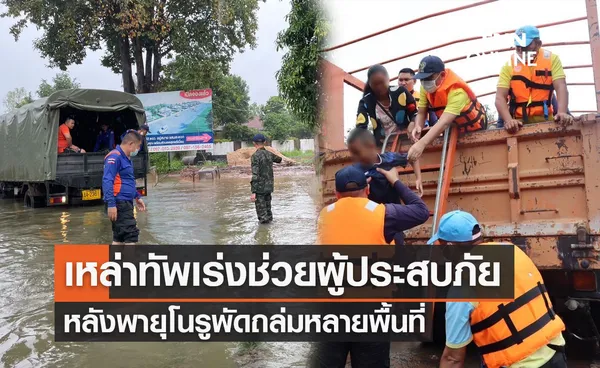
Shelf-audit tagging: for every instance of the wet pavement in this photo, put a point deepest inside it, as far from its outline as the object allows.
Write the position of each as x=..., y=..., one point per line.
x=218, y=212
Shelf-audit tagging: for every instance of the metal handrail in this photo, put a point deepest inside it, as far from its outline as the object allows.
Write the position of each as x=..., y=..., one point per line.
x=440, y=179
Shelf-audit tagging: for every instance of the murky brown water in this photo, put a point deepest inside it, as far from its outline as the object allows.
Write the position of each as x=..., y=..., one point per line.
x=213, y=213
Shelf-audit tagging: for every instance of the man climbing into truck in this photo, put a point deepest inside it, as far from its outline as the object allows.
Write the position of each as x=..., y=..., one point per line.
x=452, y=100
x=529, y=80
x=534, y=334
x=363, y=148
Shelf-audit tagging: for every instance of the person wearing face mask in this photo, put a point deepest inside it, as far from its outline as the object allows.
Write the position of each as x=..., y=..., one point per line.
x=534, y=334
x=118, y=186
x=530, y=81
x=452, y=100
x=406, y=79
x=388, y=108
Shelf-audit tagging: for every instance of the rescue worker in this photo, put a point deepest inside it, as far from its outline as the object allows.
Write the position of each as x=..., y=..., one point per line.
x=388, y=108
x=355, y=220
x=531, y=87
x=65, y=141
x=262, y=179
x=118, y=186
x=452, y=100
x=407, y=80
x=105, y=139
x=143, y=132
x=537, y=339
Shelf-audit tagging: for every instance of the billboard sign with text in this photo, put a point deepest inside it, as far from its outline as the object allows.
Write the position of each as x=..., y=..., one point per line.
x=179, y=120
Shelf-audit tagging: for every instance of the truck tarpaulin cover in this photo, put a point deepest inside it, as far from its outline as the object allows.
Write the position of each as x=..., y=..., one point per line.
x=29, y=135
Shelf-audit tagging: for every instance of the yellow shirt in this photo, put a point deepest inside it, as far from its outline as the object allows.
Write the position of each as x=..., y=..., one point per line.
x=541, y=356
x=457, y=100
x=557, y=73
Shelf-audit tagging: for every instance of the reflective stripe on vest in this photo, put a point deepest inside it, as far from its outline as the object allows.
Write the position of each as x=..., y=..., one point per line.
x=531, y=93
x=506, y=333
x=352, y=221
x=111, y=152
x=472, y=117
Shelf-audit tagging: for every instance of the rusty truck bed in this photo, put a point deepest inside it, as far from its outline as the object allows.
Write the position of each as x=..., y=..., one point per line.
x=539, y=188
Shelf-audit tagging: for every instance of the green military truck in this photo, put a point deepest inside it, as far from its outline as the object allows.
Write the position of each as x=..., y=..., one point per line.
x=31, y=168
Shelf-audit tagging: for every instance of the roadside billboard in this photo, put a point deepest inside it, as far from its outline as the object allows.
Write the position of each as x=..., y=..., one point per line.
x=179, y=120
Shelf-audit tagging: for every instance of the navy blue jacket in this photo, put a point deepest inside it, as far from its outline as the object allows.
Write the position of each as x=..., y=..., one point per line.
x=118, y=182
x=381, y=190
x=105, y=140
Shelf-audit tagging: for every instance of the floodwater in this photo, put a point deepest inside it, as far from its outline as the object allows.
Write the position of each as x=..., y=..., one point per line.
x=218, y=212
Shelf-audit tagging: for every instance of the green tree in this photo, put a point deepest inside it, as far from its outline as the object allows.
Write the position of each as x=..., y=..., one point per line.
x=231, y=95
x=299, y=76
x=238, y=132
x=140, y=33
x=16, y=98
x=60, y=82
x=280, y=123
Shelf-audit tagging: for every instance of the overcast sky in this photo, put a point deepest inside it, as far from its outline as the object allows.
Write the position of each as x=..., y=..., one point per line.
x=22, y=65
x=355, y=18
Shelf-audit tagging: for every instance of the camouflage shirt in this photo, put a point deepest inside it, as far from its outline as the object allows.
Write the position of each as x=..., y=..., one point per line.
x=262, y=170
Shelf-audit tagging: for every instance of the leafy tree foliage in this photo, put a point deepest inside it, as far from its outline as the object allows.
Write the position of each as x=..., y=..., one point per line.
x=140, y=33
x=59, y=82
x=280, y=123
x=298, y=77
x=16, y=98
x=231, y=95
x=238, y=132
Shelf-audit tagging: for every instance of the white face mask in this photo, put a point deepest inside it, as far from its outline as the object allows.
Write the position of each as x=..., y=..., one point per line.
x=430, y=86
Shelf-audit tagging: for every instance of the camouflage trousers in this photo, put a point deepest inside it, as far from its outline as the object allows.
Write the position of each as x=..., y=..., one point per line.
x=263, y=207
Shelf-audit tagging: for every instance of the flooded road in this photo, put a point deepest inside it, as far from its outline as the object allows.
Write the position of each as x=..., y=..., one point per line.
x=217, y=212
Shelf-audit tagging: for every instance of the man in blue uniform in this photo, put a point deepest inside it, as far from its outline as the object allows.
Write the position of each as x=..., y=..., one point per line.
x=105, y=140
x=143, y=131
x=118, y=185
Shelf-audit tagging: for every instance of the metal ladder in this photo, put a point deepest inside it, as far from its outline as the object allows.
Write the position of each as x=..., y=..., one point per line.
x=444, y=169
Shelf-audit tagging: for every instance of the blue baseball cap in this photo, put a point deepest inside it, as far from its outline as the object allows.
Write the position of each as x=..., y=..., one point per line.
x=146, y=128
x=428, y=66
x=530, y=33
x=456, y=226
x=259, y=138
x=347, y=176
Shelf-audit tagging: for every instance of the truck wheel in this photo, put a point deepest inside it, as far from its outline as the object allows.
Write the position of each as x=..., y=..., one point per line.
x=32, y=201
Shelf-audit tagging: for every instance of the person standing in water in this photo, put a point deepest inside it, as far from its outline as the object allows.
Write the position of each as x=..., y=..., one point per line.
x=262, y=179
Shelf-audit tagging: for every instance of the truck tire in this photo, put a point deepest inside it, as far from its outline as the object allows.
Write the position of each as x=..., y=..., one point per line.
x=32, y=201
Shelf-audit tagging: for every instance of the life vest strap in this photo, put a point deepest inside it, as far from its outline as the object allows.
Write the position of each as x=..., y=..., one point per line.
x=543, y=73
x=503, y=313
x=512, y=340
x=531, y=84
x=509, y=308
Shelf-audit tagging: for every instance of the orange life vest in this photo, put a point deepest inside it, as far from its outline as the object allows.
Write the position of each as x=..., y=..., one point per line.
x=352, y=221
x=506, y=333
x=472, y=116
x=532, y=82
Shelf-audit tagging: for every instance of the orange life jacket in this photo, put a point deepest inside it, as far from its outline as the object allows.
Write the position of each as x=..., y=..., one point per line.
x=506, y=333
x=472, y=116
x=352, y=221
x=532, y=82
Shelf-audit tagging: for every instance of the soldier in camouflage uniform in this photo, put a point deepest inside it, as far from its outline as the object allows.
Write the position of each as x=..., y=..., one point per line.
x=262, y=179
